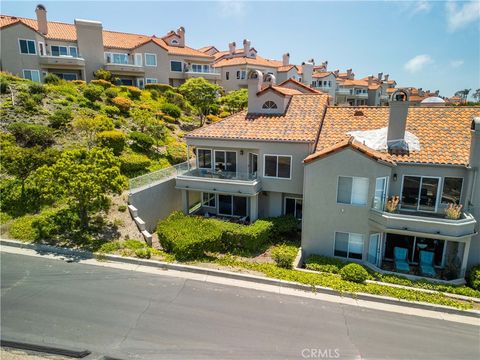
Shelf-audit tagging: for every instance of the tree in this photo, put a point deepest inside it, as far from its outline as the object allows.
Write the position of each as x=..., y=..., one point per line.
x=235, y=100
x=476, y=95
x=89, y=124
x=142, y=118
x=201, y=94
x=463, y=94
x=85, y=178
x=158, y=131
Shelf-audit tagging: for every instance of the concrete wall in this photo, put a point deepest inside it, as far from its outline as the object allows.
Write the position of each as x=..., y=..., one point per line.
x=90, y=45
x=233, y=83
x=156, y=202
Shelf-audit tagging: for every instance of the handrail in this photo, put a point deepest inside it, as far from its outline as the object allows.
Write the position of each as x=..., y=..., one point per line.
x=149, y=179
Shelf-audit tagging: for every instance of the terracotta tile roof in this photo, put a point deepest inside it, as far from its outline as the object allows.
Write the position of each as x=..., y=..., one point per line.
x=319, y=75
x=348, y=82
x=285, y=68
x=111, y=39
x=258, y=60
x=299, y=123
x=443, y=132
x=391, y=90
x=207, y=48
x=352, y=143
x=306, y=88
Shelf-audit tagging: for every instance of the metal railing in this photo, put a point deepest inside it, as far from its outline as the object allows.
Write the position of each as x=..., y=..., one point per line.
x=221, y=175
x=156, y=176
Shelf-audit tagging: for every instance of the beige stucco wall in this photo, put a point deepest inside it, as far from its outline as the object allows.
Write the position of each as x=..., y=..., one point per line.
x=233, y=83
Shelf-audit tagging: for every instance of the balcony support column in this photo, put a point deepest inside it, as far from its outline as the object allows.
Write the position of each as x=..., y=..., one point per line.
x=463, y=268
x=253, y=208
x=185, y=202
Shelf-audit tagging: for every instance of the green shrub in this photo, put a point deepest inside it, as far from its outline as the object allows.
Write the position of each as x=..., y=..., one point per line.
x=103, y=83
x=324, y=264
x=102, y=74
x=141, y=141
x=177, y=152
x=123, y=104
x=132, y=164
x=171, y=110
x=111, y=93
x=354, y=272
x=36, y=88
x=169, y=119
x=283, y=226
x=474, y=277
x=134, y=93
x=93, y=92
x=51, y=78
x=223, y=114
x=144, y=253
x=61, y=224
x=60, y=118
x=188, y=237
x=79, y=82
x=110, y=111
x=159, y=87
x=4, y=217
x=176, y=98
x=113, y=139
x=22, y=229
x=4, y=89
x=284, y=255
x=213, y=118
x=29, y=135
x=251, y=238
x=154, y=94
x=122, y=208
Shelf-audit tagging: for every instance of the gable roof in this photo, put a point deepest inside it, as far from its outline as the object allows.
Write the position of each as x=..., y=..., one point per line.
x=299, y=123
x=306, y=88
x=111, y=39
x=285, y=68
x=353, y=144
x=443, y=132
x=258, y=60
x=321, y=74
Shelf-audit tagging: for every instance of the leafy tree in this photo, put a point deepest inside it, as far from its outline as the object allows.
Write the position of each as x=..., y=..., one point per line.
x=236, y=100
x=85, y=178
x=476, y=95
x=158, y=131
x=89, y=124
x=201, y=94
x=463, y=94
x=30, y=135
x=102, y=74
x=60, y=117
x=141, y=141
x=142, y=118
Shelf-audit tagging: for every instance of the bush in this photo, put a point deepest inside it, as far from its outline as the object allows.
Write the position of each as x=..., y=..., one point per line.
x=103, y=83
x=22, y=228
x=251, y=238
x=4, y=86
x=324, y=264
x=144, y=253
x=224, y=114
x=93, y=92
x=213, y=118
x=159, y=87
x=4, y=217
x=283, y=226
x=284, y=255
x=111, y=111
x=51, y=78
x=36, y=88
x=79, y=82
x=29, y=135
x=61, y=224
x=154, y=94
x=141, y=141
x=177, y=152
x=354, y=272
x=132, y=165
x=111, y=93
x=169, y=119
x=60, y=118
x=134, y=93
x=171, y=110
x=474, y=277
x=112, y=139
x=175, y=98
x=123, y=104
x=102, y=74
x=122, y=208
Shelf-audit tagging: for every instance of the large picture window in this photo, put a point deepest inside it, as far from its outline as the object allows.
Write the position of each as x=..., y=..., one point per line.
x=452, y=190
x=27, y=47
x=348, y=245
x=63, y=51
x=116, y=58
x=204, y=157
x=225, y=161
x=33, y=75
x=278, y=166
x=232, y=205
x=352, y=190
x=293, y=207
x=150, y=60
x=176, y=66
x=420, y=193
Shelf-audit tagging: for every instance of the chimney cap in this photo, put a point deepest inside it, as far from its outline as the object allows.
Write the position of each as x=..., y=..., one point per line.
x=41, y=7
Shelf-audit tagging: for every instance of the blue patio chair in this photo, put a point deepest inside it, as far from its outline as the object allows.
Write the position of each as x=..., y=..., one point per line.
x=401, y=263
x=426, y=264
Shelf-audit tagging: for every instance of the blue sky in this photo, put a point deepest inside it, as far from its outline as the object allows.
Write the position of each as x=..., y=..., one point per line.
x=428, y=44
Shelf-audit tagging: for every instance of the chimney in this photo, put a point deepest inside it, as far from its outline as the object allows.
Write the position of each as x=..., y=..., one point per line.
x=286, y=59
x=246, y=47
x=231, y=47
x=270, y=80
x=386, y=77
x=307, y=72
x=437, y=92
x=90, y=45
x=255, y=81
x=349, y=73
x=336, y=72
x=41, y=12
x=325, y=65
x=380, y=76
x=370, y=80
x=181, y=35
x=397, y=123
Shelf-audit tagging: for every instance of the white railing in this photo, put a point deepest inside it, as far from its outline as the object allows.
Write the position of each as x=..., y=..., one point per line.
x=153, y=177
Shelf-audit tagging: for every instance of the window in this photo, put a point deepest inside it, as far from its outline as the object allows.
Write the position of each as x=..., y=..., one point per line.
x=176, y=66
x=380, y=193
x=196, y=68
x=116, y=58
x=225, y=161
x=67, y=76
x=352, y=190
x=227, y=75
x=269, y=105
x=59, y=50
x=293, y=206
x=140, y=83
x=41, y=48
x=73, y=51
x=208, y=199
x=348, y=245
x=204, y=157
x=420, y=193
x=138, y=57
x=238, y=75
x=33, y=75
x=243, y=74
x=278, y=166
x=174, y=42
x=27, y=47
x=252, y=163
x=232, y=205
x=452, y=190
x=151, y=60
x=126, y=82
x=151, y=81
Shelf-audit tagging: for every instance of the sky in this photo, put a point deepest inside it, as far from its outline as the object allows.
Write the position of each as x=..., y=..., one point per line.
x=433, y=45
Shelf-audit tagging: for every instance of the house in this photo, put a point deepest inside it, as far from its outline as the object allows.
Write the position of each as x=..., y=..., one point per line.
x=336, y=167
x=31, y=48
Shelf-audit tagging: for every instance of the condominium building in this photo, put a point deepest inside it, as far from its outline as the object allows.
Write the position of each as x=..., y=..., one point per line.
x=31, y=48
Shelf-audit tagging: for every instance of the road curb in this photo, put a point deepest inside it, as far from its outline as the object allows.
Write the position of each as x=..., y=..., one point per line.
x=239, y=276
x=43, y=348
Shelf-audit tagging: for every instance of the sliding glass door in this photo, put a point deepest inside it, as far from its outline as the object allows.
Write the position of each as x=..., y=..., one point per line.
x=225, y=161
x=380, y=193
x=374, y=246
x=420, y=193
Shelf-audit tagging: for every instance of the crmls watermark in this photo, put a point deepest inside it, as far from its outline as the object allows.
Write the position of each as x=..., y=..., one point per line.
x=320, y=353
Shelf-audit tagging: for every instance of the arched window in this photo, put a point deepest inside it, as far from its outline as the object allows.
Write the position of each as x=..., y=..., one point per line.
x=269, y=105
x=174, y=42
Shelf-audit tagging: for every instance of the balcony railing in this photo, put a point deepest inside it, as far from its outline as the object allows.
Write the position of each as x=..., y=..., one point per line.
x=221, y=175
x=203, y=71
x=159, y=175
x=344, y=91
x=62, y=60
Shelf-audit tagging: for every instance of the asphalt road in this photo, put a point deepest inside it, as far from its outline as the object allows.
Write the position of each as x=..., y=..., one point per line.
x=128, y=314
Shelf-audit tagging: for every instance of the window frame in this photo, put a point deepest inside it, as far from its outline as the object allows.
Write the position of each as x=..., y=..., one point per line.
x=225, y=152
x=273, y=105
x=154, y=56
x=211, y=159
x=32, y=70
x=348, y=245
x=176, y=61
x=295, y=209
x=439, y=193
x=443, y=187
x=277, y=156
x=112, y=55
x=351, y=194
x=149, y=81
x=27, y=53
x=42, y=50
x=231, y=205
x=214, y=200
x=70, y=51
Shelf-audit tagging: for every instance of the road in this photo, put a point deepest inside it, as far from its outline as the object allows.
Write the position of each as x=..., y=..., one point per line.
x=128, y=314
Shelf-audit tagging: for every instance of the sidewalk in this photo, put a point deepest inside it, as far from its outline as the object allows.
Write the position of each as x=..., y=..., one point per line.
x=281, y=287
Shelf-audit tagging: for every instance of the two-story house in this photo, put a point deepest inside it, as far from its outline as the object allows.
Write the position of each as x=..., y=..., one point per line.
x=32, y=48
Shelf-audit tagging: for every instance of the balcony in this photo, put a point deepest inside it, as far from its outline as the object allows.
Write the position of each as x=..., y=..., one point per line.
x=361, y=95
x=415, y=223
x=219, y=181
x=210, y=74
x=125, y=69
x=62, y=62
x=344, y=91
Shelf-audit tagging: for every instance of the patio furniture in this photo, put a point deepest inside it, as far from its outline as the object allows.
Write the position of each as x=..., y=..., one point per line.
x=400, y=256
x=426, y=264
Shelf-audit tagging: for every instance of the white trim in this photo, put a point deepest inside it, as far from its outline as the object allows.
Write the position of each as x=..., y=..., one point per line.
x=32, y=70
x=231, y=197
x=44, y=48
x=249, y=164
x=181, y=62
x=70, y=51
x=211, y=158
x=352, y=177
x=277, y=177
x=443, y=186
x=138, y=59
x=151, y=82
x=225, y=151
x=418, y=195
x=20, y=48
x=295, y=209
x=155, y=56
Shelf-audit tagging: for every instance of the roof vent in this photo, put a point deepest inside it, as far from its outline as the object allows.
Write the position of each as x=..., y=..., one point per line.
x=358, y=113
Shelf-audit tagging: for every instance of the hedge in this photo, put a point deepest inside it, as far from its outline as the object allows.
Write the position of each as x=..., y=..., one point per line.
x=283, y=225
x=114, y=139
x=171, y=110
x=244, y=237
x=141, y=141
x=103, y=83
x=284, y=255
x=324, y=264
x=474, y=277
x=132, y=164
x=159, y=87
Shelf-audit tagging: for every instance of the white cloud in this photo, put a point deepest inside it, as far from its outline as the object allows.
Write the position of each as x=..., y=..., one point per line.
x=420, y=6
x=456, y=63
x=417, y=63
x=460, y=16
x=231, y=8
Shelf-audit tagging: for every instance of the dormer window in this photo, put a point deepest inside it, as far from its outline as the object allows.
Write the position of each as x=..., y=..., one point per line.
x=174, y=42
x=269, y=105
